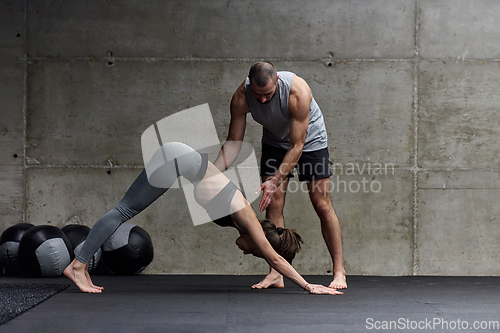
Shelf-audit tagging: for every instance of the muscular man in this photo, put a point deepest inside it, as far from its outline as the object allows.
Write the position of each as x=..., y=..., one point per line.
x=294, y=135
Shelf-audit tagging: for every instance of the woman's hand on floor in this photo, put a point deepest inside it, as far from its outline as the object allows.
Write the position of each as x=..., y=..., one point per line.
x=318, y=289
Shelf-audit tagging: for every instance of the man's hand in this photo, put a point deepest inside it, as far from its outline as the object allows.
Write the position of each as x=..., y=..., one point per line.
x=268, y=187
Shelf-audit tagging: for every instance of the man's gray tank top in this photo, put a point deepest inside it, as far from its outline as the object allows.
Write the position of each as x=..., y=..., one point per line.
x=275, y=118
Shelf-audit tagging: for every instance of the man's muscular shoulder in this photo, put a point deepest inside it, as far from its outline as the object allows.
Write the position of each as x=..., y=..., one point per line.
x=300, y=95
x=239, y=102
x=300, y=88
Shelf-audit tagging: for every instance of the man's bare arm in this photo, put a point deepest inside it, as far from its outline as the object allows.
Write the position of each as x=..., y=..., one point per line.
x=298, y=106
x=231, y=148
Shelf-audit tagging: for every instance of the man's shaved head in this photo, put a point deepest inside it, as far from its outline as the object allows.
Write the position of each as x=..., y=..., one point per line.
x=261, y=72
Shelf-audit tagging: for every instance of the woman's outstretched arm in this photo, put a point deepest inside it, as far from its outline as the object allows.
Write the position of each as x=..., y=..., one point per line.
x=246, y=219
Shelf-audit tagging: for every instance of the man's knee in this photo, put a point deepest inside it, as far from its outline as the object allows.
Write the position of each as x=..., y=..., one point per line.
x=322, y=209
x=323, y=206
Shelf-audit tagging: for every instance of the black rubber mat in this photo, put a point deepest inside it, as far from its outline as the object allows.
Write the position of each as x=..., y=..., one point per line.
x=213, y=303
x=18, y=298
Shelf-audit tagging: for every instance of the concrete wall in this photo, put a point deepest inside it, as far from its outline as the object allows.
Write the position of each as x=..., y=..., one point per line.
x=409, y=90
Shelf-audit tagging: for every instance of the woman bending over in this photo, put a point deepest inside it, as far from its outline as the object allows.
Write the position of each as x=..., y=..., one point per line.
x=220, y=197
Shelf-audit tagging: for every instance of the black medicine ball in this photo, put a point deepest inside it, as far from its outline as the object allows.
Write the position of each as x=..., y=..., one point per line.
x=44, y=251
x=9, y=245
x=128, y=251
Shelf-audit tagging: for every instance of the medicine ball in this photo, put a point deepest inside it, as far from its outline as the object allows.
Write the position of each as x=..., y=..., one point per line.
x=44, y=251
x=9, y=245
x=128, y=251
x=77, y=234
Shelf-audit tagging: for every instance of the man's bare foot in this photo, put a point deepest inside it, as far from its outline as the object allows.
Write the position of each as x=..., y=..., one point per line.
x=272, y=280
x=77, y=272
x=339, y=281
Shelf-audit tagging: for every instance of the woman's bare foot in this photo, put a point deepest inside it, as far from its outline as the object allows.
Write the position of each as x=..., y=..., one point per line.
x=90, y=280
x=272, y=280
x=339, y=281
x=78, y=273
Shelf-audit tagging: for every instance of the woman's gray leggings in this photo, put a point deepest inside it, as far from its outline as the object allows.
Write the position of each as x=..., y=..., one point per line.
x=170, y=161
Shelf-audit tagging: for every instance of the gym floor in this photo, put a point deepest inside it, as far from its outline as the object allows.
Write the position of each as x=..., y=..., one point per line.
x=201, y=303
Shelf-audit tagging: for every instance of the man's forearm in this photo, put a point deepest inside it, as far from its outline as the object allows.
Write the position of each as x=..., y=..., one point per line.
x=289, y=161
x=227, y=155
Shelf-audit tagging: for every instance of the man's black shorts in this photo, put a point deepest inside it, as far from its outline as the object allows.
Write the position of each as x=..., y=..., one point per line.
x=312, y=165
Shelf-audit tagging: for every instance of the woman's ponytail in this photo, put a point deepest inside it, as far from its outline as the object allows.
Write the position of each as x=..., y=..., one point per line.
x=285, y=242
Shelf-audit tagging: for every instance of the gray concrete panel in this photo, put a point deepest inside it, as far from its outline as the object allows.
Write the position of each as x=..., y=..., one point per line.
x=11, y=143
x=11, y=196
x=90, y=112
x=12, y=37
x=375, y=214
x=456, y=179
x=459, y=29
x=220, y=29
x=367, y=108
x=458, y=227
x=457, y=116
x=11, y=111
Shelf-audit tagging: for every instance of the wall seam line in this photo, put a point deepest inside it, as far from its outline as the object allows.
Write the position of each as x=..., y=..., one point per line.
x=415, y=263
x=25, y=106
x=201, y=59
